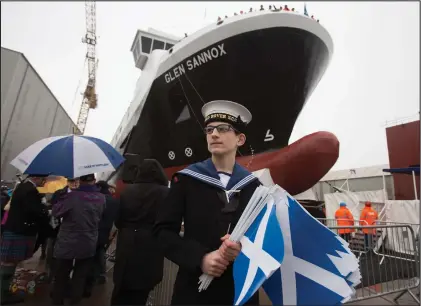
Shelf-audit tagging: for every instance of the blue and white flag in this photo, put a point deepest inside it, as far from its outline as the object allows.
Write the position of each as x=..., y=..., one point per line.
x=261, y=254
x=318, y=267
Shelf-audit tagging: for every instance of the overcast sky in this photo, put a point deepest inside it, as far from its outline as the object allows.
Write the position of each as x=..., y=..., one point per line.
x=373, y=76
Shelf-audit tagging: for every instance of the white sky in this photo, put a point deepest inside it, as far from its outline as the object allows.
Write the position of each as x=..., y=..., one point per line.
x=373, y=76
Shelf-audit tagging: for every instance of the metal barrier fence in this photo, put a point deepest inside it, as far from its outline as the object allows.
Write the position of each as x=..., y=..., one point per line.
x=389, y=261
x=162, y=293
x=334, y=222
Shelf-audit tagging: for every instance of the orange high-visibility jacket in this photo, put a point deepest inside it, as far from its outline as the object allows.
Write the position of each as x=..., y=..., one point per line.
x=369, y=215
x=344, y=217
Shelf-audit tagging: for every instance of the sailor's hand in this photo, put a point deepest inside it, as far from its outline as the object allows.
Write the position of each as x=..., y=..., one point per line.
x=229, y=249
x=214, y=264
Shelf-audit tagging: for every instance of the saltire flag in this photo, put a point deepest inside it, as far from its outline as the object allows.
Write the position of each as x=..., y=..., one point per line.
x=261, y=254
x=318, y=267
x=305, y=9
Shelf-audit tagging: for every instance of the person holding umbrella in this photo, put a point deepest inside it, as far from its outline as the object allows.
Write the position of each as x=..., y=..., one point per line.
x=106, y=223
x=26, y=213
x=210, y=197
x=81, y=211
x=73, y=156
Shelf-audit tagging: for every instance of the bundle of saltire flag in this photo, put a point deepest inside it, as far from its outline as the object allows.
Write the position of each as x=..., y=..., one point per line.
x=296, y=259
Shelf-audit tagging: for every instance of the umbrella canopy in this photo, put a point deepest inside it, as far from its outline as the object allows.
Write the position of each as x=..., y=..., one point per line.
x=52, y=185
x=69, y=156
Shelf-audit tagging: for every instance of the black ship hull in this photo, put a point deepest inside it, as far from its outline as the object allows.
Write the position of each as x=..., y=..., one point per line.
x=271, y=71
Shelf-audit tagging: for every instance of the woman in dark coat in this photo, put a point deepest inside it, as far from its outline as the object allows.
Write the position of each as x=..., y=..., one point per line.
x=139, y=260
x=26, y=214
x=202, y=195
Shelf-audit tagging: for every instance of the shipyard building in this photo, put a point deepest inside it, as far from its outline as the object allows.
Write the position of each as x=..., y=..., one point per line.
x=29, y=110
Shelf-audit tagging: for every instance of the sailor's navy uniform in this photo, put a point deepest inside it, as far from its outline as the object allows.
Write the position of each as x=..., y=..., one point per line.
x=208, y=208
x=210, y=204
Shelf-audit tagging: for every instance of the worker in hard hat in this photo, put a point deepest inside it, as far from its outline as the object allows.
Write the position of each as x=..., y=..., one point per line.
x=344, y=217
x=368, y=217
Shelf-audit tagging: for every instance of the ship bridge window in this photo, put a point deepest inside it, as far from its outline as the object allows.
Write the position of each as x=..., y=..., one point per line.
x=157, y=44
x=146, y=44
x=168, y=46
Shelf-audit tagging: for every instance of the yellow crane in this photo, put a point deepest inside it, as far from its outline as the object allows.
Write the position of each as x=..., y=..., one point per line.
x=90, y=98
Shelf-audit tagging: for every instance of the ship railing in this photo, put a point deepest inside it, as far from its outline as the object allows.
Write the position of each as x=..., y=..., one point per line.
x=391, y=263
x=272, y=9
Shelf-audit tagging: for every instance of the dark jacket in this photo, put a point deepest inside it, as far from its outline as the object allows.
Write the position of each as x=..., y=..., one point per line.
x=108, y=217
x=54, y=199
x=57, y=195
x=81, y=211
x=27, y=213
x=139, y=260
x=207, y=217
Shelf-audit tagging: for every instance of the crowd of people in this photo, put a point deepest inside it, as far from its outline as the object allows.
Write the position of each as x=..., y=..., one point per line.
x=76, y=225
x=77, y=221
x=72, y=227
x=188, y=221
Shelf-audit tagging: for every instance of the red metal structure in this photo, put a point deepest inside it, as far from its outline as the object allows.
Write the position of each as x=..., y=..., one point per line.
x=403, y=143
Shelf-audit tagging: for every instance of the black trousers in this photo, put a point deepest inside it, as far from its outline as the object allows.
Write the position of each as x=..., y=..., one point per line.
x=81, y=271
x=97, y=269
x=129, y=297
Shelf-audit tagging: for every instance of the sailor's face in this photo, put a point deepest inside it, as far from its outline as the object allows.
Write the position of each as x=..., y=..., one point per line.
x=222, y=138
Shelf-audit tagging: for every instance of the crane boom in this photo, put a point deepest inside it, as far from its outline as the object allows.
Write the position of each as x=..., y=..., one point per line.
x=90, y=98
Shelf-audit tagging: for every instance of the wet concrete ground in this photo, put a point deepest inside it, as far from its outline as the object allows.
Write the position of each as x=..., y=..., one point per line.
x=100, y=296
x=102, y=293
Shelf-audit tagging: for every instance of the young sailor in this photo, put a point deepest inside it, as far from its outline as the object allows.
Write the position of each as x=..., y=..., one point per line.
x=209, y=197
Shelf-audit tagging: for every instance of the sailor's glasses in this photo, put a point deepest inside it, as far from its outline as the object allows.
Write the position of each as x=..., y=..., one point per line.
x=221, y=128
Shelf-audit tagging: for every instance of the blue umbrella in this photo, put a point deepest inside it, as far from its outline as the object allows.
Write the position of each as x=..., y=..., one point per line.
x=70, y=156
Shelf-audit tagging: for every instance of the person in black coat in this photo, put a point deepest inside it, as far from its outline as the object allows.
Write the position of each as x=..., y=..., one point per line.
x=139, y=260
x=26, y=213
x=209, y=197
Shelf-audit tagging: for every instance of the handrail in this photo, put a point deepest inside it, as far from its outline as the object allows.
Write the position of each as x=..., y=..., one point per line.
x=274, y=9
